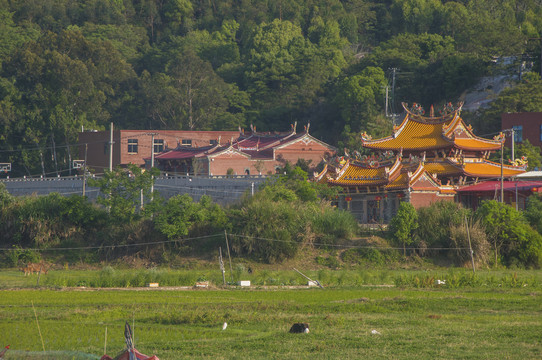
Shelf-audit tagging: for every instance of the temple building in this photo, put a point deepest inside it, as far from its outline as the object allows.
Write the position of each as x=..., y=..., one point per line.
x=426, y=159
x=256, y=153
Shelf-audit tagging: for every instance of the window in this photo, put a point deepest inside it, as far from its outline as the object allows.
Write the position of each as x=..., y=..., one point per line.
x=186, y=142
x=132, y=146
x=213, y=142
x=518, y=133
x=158, y=145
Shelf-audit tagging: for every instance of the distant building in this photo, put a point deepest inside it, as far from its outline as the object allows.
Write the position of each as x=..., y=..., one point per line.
x=203, y=152
x=248, y=154
x=516, y=193
x=133, y=146
x=527, y=126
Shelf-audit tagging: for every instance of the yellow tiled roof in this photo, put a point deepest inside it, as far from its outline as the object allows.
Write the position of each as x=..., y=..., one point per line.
x=363, y=176
x=401, y=182
x=442, y=168
x=412, y=135
x=355, y=174
x=477, y=144
x=490, y=169
x=421, y=133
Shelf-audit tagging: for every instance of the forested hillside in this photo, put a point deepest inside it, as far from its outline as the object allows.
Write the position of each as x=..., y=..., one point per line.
x=221, y=64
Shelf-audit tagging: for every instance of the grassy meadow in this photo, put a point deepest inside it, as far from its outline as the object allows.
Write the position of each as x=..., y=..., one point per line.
x=492, y=315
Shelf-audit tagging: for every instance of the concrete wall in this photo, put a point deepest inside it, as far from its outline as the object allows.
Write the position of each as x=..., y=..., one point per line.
x=223, y=190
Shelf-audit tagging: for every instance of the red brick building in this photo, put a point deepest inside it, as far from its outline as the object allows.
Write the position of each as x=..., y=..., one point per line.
x=426, y=159
x=133, y=146
x=527, y=126
x=249, y=154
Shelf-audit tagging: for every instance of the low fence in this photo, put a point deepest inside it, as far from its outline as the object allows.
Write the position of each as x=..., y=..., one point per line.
x=223, y=189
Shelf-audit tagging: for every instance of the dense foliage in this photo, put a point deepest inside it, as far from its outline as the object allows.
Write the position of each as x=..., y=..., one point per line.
x=206, y=65
x=128, y=219
x=287, y=213
x=496, y=233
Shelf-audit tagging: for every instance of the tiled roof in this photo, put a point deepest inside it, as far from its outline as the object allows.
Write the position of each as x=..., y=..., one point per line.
x=443, y=168
x=412, y=135
x=477, y=144
x=260, y=142
x=364, y=175
x=186, y=152
x=490, y=169
x=507, y=186
x=426, y=133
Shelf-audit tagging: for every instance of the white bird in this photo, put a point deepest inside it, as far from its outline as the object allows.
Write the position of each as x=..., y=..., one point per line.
x=375, y=332
x=224, y=326
x=306, y=331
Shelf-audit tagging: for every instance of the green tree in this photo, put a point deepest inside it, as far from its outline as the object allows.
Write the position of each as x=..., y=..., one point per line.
x=533, y=212
x=181, y=216
x=122, y=190
x=404, y=224
x=513, y=240
x=359, y=97
x=531, y=152
x=201, y=93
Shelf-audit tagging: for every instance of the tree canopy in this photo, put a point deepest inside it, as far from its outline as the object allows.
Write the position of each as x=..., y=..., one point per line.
x=207, y=65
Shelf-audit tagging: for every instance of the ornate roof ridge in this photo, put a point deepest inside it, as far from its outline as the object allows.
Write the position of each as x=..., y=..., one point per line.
x=416, y=113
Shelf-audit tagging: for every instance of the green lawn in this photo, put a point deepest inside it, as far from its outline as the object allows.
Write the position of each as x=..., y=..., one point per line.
x=472, y=322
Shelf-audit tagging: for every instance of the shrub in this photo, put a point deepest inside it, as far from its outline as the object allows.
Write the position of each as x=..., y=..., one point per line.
x=436, y=222
x=533, y=212
x=459, y=237
x=512, y=238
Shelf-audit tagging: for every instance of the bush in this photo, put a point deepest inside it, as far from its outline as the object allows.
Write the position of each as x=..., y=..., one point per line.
x=533, y=212
x=268, y=230
x=436, y=222
x=514, y=241
x=459, y=237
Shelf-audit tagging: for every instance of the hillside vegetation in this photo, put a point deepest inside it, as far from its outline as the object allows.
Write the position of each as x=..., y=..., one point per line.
x=209, y=65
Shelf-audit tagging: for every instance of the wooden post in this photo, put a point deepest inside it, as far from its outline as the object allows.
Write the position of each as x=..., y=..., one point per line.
x=306, y=277
x=229, y=256
x=221, y=262
x=105, y=343
x=470, y=246
x=85, y=171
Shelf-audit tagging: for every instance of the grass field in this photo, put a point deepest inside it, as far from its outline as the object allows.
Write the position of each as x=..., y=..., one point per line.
x=496, y=316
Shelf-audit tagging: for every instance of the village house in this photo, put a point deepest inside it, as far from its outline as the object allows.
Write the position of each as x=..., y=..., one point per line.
x=255, y=153
x=203, y=153
x=133, y=146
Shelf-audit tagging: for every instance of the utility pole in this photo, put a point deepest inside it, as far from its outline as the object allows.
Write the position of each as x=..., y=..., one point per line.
x=540, y=39
x=387, y=90
x=111, y=149
x=394, y=70
x=502, y=177
x=152, y=160
x=513, y=142
x=85, y=170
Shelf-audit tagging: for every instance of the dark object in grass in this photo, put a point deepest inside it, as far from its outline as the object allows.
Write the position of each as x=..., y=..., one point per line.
x=299, y=328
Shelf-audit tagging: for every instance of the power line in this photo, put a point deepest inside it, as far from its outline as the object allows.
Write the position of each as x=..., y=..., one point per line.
x=112, y=246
